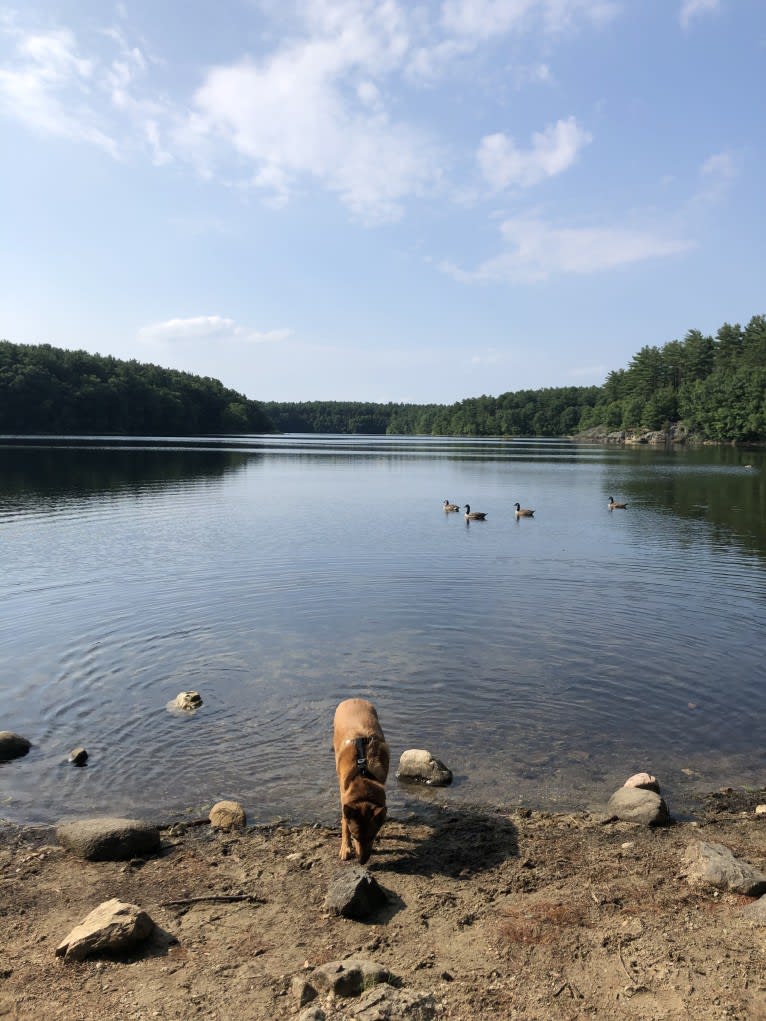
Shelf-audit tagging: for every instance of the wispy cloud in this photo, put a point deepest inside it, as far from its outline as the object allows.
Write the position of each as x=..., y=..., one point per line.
x=209, y=328
x=535, y=250
x=691, y=9
x=320, y=106
x=552, y=151
x=314, y=110
x=485, y=19
x=47, y=85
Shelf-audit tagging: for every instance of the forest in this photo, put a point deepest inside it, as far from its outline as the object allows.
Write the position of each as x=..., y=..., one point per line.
x=44, y=389
x=714, y=385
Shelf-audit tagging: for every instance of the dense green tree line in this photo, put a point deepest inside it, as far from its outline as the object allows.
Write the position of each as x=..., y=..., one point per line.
x=555, y=411
x=49, y=390
x=715, y=385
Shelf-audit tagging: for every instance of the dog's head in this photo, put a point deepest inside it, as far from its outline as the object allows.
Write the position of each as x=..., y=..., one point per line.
x=364, y=820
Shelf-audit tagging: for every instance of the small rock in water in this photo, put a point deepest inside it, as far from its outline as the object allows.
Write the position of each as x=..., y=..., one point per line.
x=78, y=756
x=420, y=765
x=228, y=815
x=186, y=701
x=644, y=781
x=636, y=804
x=12, y=746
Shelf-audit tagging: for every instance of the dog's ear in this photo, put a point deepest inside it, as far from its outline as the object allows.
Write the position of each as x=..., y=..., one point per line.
x=350, y=812
x=379, y=814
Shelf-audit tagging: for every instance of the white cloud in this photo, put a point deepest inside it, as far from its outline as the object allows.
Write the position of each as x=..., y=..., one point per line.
x=47, y=87
x=212, y=328
x=313, y=111
x=487, y=19
x=536, y=250
x=716, y=176
x=691, y=9
x=552, y=151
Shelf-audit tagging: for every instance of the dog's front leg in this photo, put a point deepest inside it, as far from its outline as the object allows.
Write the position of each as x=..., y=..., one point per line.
x=346, y=847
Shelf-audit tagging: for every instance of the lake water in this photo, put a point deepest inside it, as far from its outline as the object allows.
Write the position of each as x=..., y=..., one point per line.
x=543, y=660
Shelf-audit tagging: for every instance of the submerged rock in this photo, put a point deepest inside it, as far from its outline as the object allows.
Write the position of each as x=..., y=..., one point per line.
x=186, y=701
x=12, y=746
x=420, y=766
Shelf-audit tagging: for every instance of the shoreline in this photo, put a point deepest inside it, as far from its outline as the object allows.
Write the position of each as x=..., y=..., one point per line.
x=508, y=913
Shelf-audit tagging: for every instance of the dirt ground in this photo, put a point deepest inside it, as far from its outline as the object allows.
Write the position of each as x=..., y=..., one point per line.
x=516, y=914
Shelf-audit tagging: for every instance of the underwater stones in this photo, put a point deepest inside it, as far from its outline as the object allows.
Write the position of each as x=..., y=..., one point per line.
x=12, y=746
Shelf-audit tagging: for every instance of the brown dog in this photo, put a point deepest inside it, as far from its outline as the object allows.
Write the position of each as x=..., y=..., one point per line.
x=361, y=761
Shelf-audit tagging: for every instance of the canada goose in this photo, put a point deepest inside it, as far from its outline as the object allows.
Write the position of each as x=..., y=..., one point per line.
x=523, y=512
x=615, y=506
x=450, y=506
x=474, y=515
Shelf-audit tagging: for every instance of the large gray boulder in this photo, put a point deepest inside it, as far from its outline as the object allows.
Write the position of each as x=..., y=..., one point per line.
x=12, y=746
x=420, y=766
x=109, y=839
x=113, y=925
x=710, y=864
x=636, y=804
x=354, y=893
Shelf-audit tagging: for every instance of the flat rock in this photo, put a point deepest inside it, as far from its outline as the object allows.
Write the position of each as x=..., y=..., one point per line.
x=385, y=1003
x=109, y=839
x=714, y=865
x=354, y=893
x=12, y=746
x=341, y=978
x=644, y=781
x=636, y=804
x=113, y=925
x=228, y=815
x=420, y=766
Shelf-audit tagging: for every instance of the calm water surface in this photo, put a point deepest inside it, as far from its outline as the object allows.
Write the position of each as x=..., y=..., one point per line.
x=543, y=660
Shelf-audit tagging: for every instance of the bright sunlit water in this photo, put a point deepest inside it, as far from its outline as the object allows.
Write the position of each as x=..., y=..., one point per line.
x=543, y=660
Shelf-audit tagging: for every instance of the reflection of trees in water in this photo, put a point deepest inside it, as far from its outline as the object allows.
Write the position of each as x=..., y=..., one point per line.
x=90, y=471
x=710, y=484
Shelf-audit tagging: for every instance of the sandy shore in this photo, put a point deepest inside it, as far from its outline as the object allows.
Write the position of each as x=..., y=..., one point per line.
x=501, y=914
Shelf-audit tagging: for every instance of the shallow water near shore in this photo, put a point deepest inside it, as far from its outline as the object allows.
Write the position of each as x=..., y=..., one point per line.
x=543, y=659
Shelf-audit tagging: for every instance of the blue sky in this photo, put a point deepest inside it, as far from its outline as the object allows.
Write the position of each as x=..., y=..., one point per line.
x=408, y=201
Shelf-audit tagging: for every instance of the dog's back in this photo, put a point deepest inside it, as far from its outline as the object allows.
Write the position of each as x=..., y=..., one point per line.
x=355, y=718
x=361, y=761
